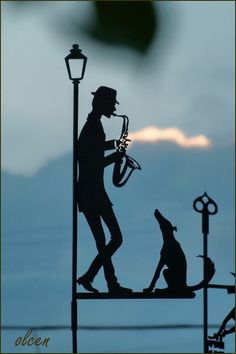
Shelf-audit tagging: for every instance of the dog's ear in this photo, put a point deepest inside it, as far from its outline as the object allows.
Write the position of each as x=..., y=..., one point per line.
x=174, y=228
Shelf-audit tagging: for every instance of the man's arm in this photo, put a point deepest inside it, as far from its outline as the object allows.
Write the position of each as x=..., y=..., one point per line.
x=110, y=144
x=113, y=144
x=112, y=158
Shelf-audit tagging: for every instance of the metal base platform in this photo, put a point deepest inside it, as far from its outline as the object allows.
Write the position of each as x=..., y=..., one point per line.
x=134, y=295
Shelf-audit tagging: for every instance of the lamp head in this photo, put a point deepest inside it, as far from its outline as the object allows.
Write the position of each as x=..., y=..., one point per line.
x=76, y=63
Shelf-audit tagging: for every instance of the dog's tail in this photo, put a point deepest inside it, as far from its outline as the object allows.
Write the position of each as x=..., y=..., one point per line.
x=210, y=271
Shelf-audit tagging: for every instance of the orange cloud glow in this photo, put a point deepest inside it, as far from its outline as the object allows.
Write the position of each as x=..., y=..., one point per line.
x=175, y=135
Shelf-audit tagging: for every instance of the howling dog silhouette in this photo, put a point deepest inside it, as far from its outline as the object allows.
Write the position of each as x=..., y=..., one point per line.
x=173, y=257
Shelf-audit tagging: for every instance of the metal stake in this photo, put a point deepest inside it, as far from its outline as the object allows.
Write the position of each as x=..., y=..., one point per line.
x=201, y=205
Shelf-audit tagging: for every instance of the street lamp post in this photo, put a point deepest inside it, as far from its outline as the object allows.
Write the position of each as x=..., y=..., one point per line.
x=76, y=64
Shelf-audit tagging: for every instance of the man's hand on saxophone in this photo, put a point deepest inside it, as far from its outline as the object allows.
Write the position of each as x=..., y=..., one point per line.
x=122, y=143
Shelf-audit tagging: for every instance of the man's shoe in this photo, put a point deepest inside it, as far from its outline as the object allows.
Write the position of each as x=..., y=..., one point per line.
x=119, y=290
x=86, y=284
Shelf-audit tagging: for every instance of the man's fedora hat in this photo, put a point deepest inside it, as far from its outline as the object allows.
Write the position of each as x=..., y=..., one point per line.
x=106, y=93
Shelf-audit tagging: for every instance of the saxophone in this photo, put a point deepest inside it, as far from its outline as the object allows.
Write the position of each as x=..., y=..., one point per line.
x=130, y=164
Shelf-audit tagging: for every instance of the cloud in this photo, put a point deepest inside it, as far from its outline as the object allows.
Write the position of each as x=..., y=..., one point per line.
x=175, y=135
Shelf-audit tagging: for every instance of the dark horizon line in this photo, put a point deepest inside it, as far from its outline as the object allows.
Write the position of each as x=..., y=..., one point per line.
x=109, y=327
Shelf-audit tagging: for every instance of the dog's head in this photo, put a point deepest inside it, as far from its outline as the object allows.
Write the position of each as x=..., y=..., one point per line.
x=165, y=225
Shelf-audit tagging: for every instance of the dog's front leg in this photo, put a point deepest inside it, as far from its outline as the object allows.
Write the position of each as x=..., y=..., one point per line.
x=156, y=276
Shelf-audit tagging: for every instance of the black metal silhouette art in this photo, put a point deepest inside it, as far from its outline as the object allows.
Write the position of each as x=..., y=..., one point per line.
x=173, y=257
x=92, y=198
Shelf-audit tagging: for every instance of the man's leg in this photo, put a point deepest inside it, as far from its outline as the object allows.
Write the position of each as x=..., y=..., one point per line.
x=103, y=258
x=111, y=222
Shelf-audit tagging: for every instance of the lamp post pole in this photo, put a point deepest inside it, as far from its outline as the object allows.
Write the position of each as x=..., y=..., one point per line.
x=75, y=64
x=74, y=319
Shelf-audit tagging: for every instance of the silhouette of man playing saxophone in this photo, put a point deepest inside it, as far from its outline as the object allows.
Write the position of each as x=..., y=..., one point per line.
x=92, y=198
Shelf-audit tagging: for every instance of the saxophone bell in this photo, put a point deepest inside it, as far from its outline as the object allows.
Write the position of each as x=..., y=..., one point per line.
x=132, y=163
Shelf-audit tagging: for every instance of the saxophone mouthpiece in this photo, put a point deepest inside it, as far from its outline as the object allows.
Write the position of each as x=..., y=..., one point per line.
x=119, y=115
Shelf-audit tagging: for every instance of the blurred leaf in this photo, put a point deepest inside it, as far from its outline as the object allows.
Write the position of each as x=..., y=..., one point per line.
x=129, y=23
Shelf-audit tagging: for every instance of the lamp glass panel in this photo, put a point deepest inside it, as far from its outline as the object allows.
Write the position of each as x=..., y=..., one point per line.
x=76, y=66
